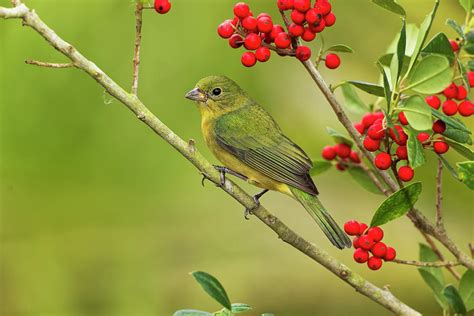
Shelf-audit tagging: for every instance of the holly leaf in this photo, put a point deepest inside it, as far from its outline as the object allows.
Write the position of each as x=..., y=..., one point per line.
x=440, y=45
x=191, y=312
x=454, y=300
x=397, y=204
x=361, y=177
x=466, y=289
x=398, y=58
x=353, y=101
x=240, y=308
x=466, y=173
x=391, y=6
x=416, y=155
x=432, y=276
x=319, y=166
x=463, y=71
x=418, y=113
x=450, y=121
x=386, y=86
x=212, y=287
x=460, y=148
x=431, y=75
x=435, y=286
x=448, y=166
x=467, y=5
x=368, y=87
x=339, y=137
x=457, y=135
x=340, y=48
x=456, y=27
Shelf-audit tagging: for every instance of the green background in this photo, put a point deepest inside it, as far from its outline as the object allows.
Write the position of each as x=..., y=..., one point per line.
x=102, y=217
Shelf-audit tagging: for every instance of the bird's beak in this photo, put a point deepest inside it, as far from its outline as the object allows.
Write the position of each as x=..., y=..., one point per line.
x=196, y=95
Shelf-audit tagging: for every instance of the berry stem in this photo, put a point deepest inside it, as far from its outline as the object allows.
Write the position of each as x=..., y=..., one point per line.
x=439, y=196
x=138, y=40
x=434, y=264
x=49, y=65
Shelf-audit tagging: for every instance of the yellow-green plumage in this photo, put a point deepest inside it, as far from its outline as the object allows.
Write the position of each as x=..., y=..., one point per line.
x=246, y=139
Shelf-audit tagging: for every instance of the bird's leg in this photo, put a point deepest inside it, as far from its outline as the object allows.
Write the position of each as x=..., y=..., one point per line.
x=256, y=198
x=223, y=170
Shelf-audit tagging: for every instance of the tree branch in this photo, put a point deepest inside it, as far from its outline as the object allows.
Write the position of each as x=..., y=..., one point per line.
x=434, y=264
x=49, y=65
x=440, y=255
x=382, y=297
x=439, y=196
x=138, y=40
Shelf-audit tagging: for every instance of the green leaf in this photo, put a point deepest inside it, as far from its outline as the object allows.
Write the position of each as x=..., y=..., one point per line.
x=466, y=289
x=431, y=75
x=240, y=308
x=391, y=6
x=418, y=113
x=462, y=149
x=361, y=177
x=469, y=48
x=456, y=27
x=386, y=86
x=428, y=255
x=448, y=166
x=268, y=314
x=340, y=48
x=435, y=286
x=416, y=155
x=397, y=204
x=463, y=71
x=422, y=35
x=440, y=45
x=319, y=166
x=457, y=135
x=191, y=312
x=386, y=61
x=470, y=65
x=454, y=300
x=339, y=137
x=368, y=87
x=466, y=173
x=212, y=287
x=411, y=37
x=467, y=4
x=353, y=102
x=450, y=121
x=398, y=58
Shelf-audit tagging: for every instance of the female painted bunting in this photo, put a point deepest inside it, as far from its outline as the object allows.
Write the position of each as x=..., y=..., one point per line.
x=250, y=145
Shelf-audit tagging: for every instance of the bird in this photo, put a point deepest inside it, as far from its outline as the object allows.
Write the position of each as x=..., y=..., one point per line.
x=245, y=138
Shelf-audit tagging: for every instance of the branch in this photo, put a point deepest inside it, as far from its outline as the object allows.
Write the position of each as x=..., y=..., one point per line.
x=439, y=196
x=49, y=65
x=434, y=264
x=138, y=40
x=440, y=255
x=382, y=297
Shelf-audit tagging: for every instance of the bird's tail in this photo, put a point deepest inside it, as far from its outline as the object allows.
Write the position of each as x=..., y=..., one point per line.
x=328, y=225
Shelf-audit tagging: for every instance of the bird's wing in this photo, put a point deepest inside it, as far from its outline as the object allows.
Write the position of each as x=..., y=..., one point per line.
x=252, y=135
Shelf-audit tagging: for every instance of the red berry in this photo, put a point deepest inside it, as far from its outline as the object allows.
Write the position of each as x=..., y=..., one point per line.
x=451, y=91
x=365, y=242
x=277, y=29
x=332, y=61
x=343, y=150
x=295, y=30
x=162, y=6
x=401, y=138
x=466, y=108
x=282, y=40
x=359, y=127
x=241, y=10
x=330, y=19
x=379, y=115
x=308, y=36
x=402, y=152
x=235, y=41
x=405, y=173
x=252, y=41
x=454, y=45
x=402, y=118
x=462, y=93
x=352, y=227
x=298, y=17
x=329, y=153
x=303, y=53
x=361, y=255
x=440, y=147
x=250, y=23
x=354, y=157
x=285, y=4
x=439, y=127
x=313, y=16
x=376, y=132
x=374, y=263
x=433, y=101
x=302, y=5
x=324, y=6
x=248, y=59
x=264, y=24
x=450, y=107
x=383, y=161
x=390, y=254
x=263, y=15
x=368, y=119
x=317, y=28
x=363, y=228
x=340, y=166
x=262, y=54
x=470, y=78
x=371, y=144
x=225, y=29
x=423, y=137
x=379, y=250
x=376, y=233
x=355, y=243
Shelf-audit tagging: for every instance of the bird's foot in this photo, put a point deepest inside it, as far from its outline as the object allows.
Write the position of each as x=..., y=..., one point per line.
x=224, y=170
x=256, y=198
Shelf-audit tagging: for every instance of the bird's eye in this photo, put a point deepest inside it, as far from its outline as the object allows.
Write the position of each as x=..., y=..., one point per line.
x=216, y=91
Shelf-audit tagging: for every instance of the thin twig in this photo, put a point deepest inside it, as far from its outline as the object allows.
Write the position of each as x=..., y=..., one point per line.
x=439, y=196
x=49, y=65
x=138, y=40
x=374, y=179
x=384, y=298
x=434, y=264
x=440, y=255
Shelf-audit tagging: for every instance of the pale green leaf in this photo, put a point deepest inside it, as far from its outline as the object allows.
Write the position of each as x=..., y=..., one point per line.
x=191, y=312
x=454, y=300
x=456, y=27
x=361, y=177
x=460, y=148
x=320, y=166
x=467, y=4
x=431, y=75
x=369, y=87
x=466, y=173
x=440, y=45
x=418, y=113
x=466, y=289
x=339, y=137
x=240, y=308
x=416, y=155
x=391, y=6
x=340, y=48
x=352, y=101
x=435, y=286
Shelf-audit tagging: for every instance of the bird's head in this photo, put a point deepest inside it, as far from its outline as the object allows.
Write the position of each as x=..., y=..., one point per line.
x=217, y=95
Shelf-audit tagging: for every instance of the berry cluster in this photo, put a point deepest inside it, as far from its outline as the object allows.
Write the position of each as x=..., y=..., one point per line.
x=368, y=241
x=452, y=94
x=162, y=6
x=260, y=34
x=342, y=153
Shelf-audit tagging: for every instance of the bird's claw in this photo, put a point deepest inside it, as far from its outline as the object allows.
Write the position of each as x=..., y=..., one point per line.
x=204, y=178
x=248, y=211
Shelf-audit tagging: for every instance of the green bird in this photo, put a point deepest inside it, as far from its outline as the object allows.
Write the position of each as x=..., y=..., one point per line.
x=250, y=145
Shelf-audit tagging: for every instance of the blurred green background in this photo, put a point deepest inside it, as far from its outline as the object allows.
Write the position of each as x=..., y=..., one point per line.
x=99, y=216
